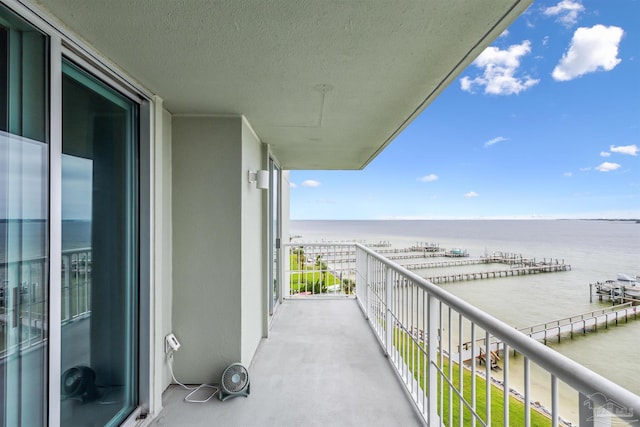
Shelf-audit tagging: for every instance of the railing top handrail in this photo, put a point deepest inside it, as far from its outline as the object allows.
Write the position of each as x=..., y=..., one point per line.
x=567, y=370
x=43, y=257
x=295, y=244
x=602, y=310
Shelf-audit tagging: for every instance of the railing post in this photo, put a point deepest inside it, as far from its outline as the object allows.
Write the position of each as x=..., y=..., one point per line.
x=66, y=287
x=388, y=303
x=432, y=355
x=366, y=287
x=586, y=411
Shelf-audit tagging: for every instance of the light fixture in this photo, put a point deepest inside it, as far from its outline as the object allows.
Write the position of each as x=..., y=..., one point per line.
x=261, y=178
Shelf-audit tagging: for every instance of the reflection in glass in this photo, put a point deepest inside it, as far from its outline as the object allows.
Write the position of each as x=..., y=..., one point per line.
x=99, y=253
x=24, y=223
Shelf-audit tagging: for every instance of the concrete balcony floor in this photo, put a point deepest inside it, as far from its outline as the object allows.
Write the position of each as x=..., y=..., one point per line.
x=320, y=366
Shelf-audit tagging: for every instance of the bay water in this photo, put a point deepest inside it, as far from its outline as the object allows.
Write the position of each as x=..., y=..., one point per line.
x=596, y=250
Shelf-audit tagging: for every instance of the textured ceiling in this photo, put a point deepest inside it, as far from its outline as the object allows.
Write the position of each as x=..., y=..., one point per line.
x=327, y=83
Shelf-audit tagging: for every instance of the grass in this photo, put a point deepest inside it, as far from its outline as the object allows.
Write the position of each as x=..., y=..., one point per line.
x=310, y=277
x=417, y=365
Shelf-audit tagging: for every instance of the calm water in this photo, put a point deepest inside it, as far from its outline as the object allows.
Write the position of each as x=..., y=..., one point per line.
x=596, y=251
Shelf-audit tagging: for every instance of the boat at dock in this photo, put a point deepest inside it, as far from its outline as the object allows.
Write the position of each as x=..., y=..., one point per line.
x=457, y=252
x=625, y=284
x=629, y=285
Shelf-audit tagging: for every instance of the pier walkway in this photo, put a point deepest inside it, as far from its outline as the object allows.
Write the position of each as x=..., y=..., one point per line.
x=414, y=255
x=564, y=327
x=518, y=271
x=516, y=260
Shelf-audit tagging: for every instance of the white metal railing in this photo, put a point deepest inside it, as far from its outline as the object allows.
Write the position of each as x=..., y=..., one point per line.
x=421, y=327
x=316, y=269
x=26, y=279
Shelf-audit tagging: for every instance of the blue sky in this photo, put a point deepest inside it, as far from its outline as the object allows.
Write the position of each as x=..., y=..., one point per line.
x=544, y=124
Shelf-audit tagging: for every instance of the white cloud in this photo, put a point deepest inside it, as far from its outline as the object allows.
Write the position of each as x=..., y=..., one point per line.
x=499, y=71
x=566, y=11
x=545, y=40
x=293, y=185
x=631, y=150
x=591, y=49
x=471, y=194
x=429, y=178
x=505, y=33
x=605, y=154
x=494, y=141
x=587, y=169
x=310, y=183
x=607, y=167
x=326, y=202
x=568, y=174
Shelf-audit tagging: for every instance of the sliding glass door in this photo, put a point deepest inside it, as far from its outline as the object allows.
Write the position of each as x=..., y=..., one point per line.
x=24, y=222
x=99, y=251
x=98, y=289
x=274, y=235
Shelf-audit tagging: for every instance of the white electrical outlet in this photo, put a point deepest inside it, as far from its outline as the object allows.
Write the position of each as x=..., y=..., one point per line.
x=171, y=343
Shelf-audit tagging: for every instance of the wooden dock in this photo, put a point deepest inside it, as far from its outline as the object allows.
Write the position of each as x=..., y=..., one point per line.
x=565, y=327
x=581, y=323
x=395, y=250
x=414, y=256
x=508, y=259
x=518, y=271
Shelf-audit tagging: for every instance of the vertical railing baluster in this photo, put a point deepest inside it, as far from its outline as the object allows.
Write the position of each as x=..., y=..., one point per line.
x=424, y=359
x=440, y=359
x=554, y=401
x=586, y=409
x=431, y=371
x=76, y=276
x=505, y=383
x=460, y=370
x=488, y=363
x=527, y=395
x=473, y=374
x=414, y=339
x=450, y=333
x=389, y=318
x=66, y=261
x=402, y=328
x=367, y=283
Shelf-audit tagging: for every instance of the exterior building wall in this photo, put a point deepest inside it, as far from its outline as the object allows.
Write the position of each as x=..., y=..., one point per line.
x=254, y=235
x=286, y=229
x=208, y=183
x=162, y=285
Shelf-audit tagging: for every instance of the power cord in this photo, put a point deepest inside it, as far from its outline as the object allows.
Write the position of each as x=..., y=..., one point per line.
x=194, y=390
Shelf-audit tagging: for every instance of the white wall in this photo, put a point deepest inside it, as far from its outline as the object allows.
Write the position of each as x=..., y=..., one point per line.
x=207, y=157
x=218, y=236
x=254, y=236
x=163, y=272
x=285, y=194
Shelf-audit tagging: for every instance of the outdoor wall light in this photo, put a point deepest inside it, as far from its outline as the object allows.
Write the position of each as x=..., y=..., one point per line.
x=261, y=178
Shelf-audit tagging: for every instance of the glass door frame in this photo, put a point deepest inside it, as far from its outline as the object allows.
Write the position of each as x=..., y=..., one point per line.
x=275, y=236
x=62, y=44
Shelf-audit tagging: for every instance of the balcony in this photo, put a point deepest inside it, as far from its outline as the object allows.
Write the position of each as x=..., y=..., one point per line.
x=323, y=366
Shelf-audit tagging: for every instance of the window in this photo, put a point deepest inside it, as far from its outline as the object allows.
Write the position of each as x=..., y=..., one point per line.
x=98, y=290
x=24, y=222
x=99, y=251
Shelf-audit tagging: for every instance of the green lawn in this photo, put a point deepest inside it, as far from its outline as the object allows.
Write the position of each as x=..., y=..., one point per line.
x=310, y=277
x=516, y=408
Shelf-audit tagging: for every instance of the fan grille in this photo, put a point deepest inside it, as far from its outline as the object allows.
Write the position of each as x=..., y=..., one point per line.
x=235, y=379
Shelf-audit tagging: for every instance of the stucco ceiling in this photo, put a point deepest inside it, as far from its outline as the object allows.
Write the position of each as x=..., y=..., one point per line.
x=327, y=83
